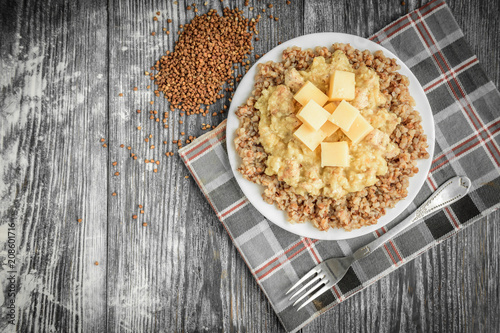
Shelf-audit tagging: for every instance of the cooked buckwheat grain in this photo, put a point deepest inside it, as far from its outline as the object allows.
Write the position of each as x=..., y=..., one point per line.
x=356, y=209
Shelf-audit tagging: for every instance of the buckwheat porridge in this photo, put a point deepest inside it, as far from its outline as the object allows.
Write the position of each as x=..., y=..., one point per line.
x=331, y=134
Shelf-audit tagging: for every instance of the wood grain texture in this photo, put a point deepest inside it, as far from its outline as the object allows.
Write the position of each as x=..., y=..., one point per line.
x=63, y=67
x=181, y=272
x=53, y=165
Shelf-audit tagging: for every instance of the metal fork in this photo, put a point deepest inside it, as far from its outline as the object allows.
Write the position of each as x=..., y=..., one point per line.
x=331, y=271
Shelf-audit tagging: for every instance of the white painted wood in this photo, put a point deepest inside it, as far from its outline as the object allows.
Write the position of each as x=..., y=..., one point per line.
x=53, y=168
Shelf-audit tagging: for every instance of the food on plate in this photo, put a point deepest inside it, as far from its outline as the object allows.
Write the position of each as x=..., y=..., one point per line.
x=331, y=134
x=313, y=115
x=334, y=154
x=342, y=86
x=344, y=115
x=310, y=92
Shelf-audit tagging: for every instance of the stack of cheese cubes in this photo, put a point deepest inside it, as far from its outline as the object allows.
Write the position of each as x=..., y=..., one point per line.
x=322, y=115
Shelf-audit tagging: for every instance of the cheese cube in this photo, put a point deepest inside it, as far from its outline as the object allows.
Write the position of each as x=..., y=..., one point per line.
x=310, y=91
x=359, y=129
x=328, y=128
x=344, y=115
x=309, y=137
x=313, y=115
x=335, y=154
x=330, y=107
x=342, y=86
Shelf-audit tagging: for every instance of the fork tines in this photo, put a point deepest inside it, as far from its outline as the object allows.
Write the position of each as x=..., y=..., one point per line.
x=322, y=282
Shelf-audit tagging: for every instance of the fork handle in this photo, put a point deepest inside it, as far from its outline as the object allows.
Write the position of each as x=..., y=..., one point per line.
x=451, y=191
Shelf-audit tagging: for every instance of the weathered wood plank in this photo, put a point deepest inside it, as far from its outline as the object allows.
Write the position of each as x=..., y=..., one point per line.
x=147, y=283
x=452, y=287
x=247, y=306
x=479, y=22
x=53, y=168
x=181, y=272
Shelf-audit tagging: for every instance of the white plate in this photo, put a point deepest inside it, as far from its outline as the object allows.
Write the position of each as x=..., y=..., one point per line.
x=254, y=191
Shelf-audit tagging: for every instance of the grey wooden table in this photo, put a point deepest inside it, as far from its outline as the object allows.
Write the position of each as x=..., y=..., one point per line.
x=62, y=68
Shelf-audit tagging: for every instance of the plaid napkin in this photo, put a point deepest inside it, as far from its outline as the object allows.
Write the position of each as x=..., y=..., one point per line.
x=465, y=107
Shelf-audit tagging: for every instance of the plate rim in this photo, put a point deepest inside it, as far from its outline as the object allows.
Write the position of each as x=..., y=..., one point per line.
x=235, y=160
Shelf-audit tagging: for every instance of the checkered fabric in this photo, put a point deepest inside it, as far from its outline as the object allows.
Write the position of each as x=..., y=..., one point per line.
x=465, y=107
